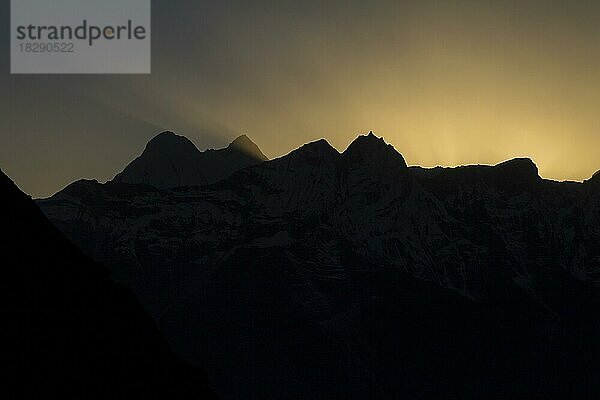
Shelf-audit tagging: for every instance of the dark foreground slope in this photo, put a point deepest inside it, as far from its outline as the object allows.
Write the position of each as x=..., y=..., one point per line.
x=68, y=330
x=323, y=275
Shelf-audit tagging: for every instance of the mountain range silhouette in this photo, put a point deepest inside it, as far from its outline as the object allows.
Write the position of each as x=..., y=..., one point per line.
x=351, y=275
x=170, y=160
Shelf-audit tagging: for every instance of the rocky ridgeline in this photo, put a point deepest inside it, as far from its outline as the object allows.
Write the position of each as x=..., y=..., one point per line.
x=350, y=274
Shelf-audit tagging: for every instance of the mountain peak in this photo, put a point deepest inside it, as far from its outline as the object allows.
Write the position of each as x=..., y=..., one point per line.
x=170, y=160
x=523, y=167
x=240, y=140
x=369, y=137
x=316, y=152
x=371, y=141
x=594, y=180
x=245, y=145
x=517, y=174
x=372, y=149
x=319, y=146
x=169, y=142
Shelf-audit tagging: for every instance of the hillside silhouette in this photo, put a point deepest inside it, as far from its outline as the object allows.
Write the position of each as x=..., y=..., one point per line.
x=70, y=331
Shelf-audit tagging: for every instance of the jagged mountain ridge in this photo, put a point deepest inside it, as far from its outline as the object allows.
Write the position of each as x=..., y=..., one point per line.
x=170, y=160
x=69, y=331
x=433, y=283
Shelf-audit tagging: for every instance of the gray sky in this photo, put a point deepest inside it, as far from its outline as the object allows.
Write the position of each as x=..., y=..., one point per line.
x=446, y=82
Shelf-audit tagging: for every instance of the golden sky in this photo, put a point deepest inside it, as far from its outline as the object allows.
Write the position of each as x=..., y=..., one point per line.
x=446, y=82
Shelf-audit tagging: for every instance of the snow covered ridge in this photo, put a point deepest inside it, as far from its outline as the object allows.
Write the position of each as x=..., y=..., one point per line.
x=327, y=234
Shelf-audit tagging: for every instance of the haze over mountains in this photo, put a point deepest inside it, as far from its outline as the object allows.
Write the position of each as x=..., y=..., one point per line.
x=351, y=275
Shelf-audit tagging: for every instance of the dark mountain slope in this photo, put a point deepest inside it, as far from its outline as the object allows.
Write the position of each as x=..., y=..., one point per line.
x=68, y=330
x=354, y=276
x=170, y=160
